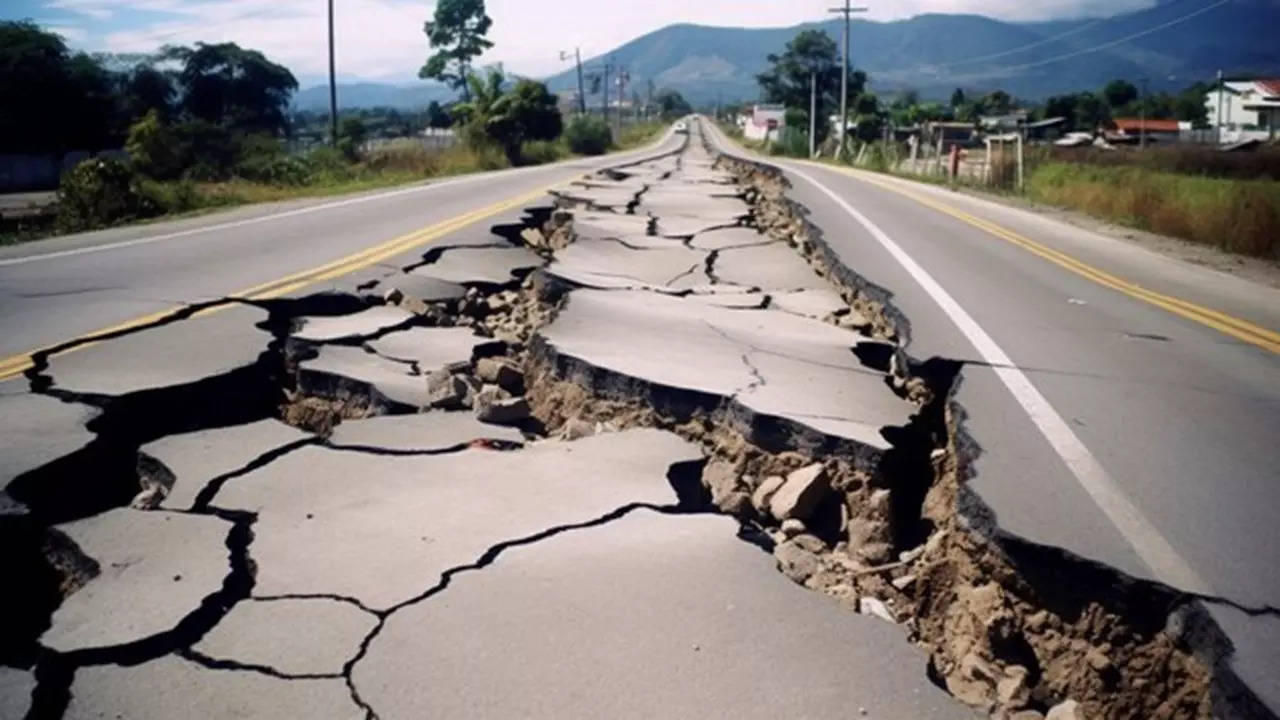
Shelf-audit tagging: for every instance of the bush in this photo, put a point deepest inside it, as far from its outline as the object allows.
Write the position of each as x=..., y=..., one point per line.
x=170, y=197
x=329, y=165
x=98, y=192
x=791, y=142
x=538, y=152
x=210, y=152
x=154, y=148
x=588, y=135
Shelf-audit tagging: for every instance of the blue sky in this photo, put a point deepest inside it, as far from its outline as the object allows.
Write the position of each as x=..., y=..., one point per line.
x=382, y=39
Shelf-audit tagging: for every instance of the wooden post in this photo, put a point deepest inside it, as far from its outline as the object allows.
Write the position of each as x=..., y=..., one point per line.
x=987, y=176
x=938, y=159
x=1021, y=185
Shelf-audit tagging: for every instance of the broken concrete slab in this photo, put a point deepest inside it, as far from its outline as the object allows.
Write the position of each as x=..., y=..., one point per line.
x=15, y=691
x=338, y=371
x=389, y=535
x=178, y=353
x=422, y=289
x=650, y=268
x=485, y=265
x=731, y=237
x=432, y=431
x=641, y=617
x=667, y=205
x=775, y=365
x=172, y=687
x=355, y=326
x=800, y=493
x=599, y=226
x=771, y=267
x=683, y=226
x=431, y=348
x=809, y=302
x=37, y=430
x=194, y=458
x=294, y=636
x=154, y=569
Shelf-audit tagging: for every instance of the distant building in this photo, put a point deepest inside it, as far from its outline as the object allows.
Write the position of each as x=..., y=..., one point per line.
x=764, y=120
x=962, y=133
x=1131, y=129
x=1245, y=109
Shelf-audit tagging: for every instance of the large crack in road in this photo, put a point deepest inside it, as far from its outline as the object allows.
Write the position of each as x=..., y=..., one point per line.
x=600, y=385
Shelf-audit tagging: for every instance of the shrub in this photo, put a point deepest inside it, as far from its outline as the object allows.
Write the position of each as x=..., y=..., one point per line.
x=791, y=142
x=98, y=192
x=154, y=149
x=588, y=135
x=210, y=152
x=170, y=197
x=329, y=165
x=538, y=152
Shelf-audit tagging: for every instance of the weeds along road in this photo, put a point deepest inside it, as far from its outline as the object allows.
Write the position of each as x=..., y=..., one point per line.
x=714, y=439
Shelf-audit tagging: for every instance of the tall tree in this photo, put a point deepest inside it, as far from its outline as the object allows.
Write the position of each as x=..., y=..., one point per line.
x=1119, y=93
x=457, y=34
x=145, y=88
x=671, y=103
x=50, y=99
x=787, y=80
x=232, y=87
x=957, y=99
x=528, y=111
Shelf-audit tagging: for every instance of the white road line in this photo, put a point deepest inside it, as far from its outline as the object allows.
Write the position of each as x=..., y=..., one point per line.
x=300, y=211
x=1150, y=545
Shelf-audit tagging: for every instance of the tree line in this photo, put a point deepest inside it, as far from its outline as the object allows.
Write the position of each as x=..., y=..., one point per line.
x=812, y=54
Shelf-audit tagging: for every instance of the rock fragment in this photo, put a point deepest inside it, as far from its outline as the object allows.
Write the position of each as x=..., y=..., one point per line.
x=1066, y=710
x=495, y=405
x=764, y=493
x=502, y=372
x=801, y=493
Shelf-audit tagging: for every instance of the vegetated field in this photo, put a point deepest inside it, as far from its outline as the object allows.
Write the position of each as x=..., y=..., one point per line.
x=327, y=174
x=1228, y=200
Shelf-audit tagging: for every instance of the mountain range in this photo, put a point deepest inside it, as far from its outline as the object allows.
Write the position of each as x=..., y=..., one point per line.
x=1171, y=45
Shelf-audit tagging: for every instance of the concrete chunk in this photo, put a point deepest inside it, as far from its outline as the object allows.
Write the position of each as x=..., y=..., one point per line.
x=801, y=493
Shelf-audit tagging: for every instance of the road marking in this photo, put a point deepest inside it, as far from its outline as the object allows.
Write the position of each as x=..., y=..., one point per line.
x=1226, y=324
x=17, y=364
x=1154, y=549
x=303, y=211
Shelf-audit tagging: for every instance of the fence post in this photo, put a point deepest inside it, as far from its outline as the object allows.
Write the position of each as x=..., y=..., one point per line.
x=1021, y=186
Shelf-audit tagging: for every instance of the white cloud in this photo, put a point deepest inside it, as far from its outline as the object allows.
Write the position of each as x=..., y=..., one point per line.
x=72, y=35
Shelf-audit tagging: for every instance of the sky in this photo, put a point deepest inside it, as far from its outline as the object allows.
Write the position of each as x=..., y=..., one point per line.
x=382, y=40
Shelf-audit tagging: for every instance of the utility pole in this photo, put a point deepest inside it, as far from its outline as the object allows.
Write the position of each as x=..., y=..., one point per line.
x=813, y=112
x=1142, y=114
x=847, y=11
x=607, y=66
x=333, y=87
x=582, y=94
x=1219, y=123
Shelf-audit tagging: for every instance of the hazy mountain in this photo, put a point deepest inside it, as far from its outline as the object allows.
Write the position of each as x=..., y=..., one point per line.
x=936, y=53
x=371, y=94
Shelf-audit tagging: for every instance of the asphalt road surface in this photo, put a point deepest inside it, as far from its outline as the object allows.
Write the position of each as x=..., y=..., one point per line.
x=1122, y=409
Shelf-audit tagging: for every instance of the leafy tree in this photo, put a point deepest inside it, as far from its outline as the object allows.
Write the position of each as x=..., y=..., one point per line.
x=957, y=98
x=50, y=99
x=437, y=116
x=352, y=133
x=996, y=102
x=145, y=89
x=868, y=118
x=1119, y=93
x=457, y=33
x=671, y=103
x=1090, y=111
x=227, y=85
x=509, y=119
x=787, y=80
x=154, y=148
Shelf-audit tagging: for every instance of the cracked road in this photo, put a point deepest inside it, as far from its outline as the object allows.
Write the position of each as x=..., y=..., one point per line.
x=666, y=434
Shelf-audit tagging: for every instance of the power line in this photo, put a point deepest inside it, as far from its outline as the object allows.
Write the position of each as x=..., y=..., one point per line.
x=1021, y=48
x=1108, y=44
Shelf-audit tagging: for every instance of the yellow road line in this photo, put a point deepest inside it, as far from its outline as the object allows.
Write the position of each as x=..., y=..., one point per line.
x=17, y=364
x=1220, y=321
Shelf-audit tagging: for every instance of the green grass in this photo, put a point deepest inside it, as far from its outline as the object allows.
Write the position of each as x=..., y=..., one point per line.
x=1240, y=216
x=634, y=136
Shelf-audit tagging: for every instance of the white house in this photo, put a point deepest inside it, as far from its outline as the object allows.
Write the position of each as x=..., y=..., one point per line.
x=764, y=120
x=1245, y=109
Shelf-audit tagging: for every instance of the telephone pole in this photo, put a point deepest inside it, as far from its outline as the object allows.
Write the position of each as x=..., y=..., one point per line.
x=582, y=94
x=813, y=112
x=333, y=87
x=1142, y=114
x=846, y=11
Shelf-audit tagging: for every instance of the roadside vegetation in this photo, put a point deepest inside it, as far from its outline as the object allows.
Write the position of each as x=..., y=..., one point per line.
x=1186, y=190
x=189, y=129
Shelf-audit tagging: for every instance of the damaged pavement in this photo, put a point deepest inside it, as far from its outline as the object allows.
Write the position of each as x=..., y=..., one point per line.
x=651, y=451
